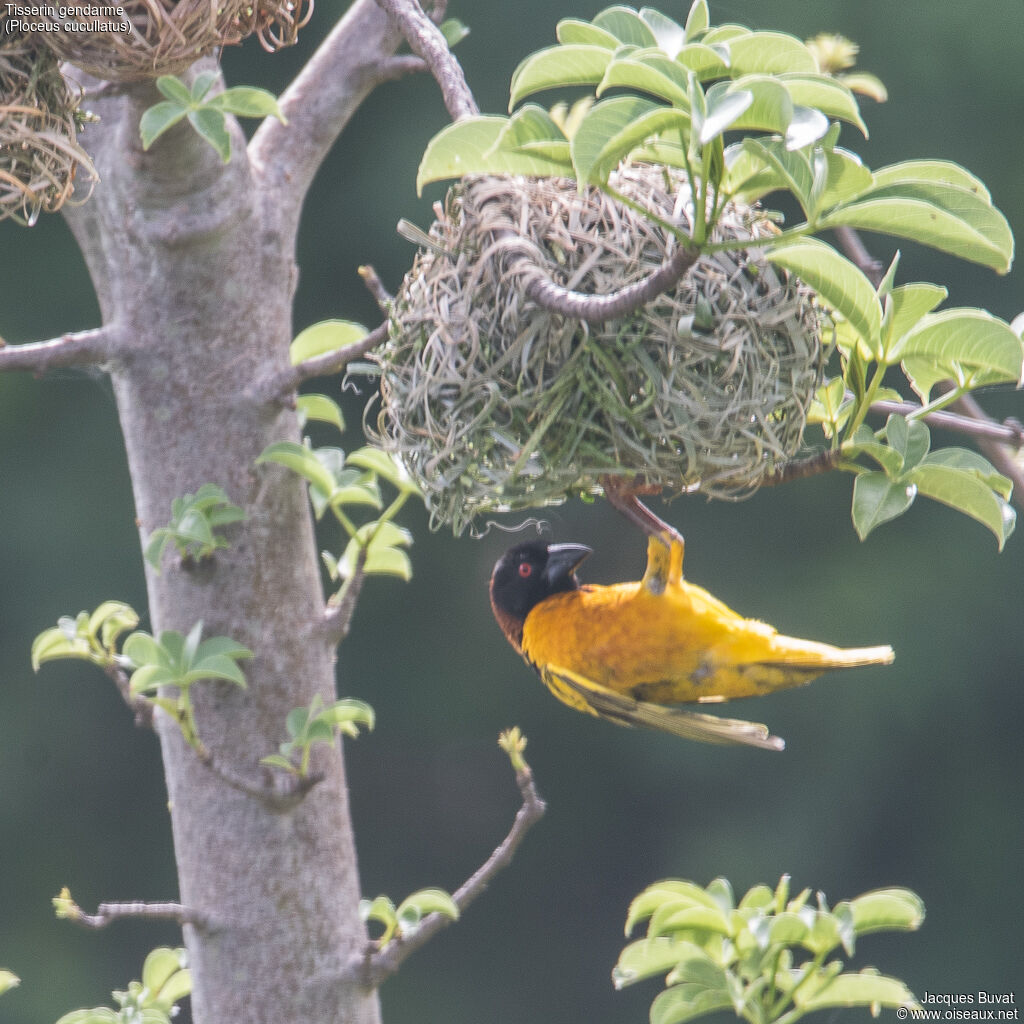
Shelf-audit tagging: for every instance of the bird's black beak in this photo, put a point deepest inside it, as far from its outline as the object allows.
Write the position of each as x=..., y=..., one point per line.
x=563, y=560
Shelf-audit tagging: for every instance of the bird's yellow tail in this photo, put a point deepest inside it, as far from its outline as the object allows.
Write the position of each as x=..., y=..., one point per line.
x=817, y=657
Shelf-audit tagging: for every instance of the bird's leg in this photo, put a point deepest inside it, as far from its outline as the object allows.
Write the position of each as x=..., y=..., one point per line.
x=665, y=545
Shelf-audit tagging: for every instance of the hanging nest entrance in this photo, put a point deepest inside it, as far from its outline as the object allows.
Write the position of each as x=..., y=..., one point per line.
x=40, y=159
x=495, y=404
x=164, y=37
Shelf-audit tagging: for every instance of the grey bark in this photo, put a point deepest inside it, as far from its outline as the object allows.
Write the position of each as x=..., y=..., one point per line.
x=193, y=263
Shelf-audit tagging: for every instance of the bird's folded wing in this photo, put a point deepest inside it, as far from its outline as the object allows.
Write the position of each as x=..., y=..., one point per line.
x=584, y=694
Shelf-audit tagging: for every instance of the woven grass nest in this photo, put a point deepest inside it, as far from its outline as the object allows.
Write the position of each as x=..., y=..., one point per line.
x=495, y=405
x=40, y=161
x=164, y=37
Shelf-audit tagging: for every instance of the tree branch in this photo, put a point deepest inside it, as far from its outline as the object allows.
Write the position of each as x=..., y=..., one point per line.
x=597, y=308
x=354, y=58
x=798, y=469
x=975, y=424
x=139, y=706
x=108, y=913
x=338, y=617
x=282, y=385
x=83, y=348
x=376, y=965
x=426, y=41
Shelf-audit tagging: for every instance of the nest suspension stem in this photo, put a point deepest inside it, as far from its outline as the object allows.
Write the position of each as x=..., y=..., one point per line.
x=622, y=496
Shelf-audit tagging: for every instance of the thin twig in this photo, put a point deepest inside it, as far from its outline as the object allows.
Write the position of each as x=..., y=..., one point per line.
x=599, y=308
x=83, y=348
x=278, y=790
x=850, y=241
x=425, y=40
x=282, y=385
x=376, y=965
x=338, y=617
x=976, y=424
x=139, y=706
x=108, y=913
x=375, y=286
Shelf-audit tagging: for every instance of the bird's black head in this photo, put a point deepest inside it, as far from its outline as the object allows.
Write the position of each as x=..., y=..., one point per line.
x=528, y=573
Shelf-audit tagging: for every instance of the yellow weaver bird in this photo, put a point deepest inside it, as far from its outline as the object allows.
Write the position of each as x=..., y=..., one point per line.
x=623, y=652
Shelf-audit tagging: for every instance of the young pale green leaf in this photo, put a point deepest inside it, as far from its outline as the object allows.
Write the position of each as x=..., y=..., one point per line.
x=54, y=643
x=698, y=20
x=151, y=677
x=679, y=920
x=683, y=1003
x=383, y=534
x=110, y=620
x=214, y=667
x=770, y=53
x=910, y=438
x=323, y=337
x=427, y=901
x=160, y=966
x=647, y=71
x=279, y=761
x=963, y=490
x=247, y=101
x=346, y=713
x=868, y=988
x=301, y=460
x=770, y=108
x=847, y=177
x=757, y=897
x=8, y=980
x=532, y=129
x=467, y=147
x=838, y=282
x=211, y=125
x=824, y=93
x=964, y=342
x=221, y=646
x=626, y=25
x=706, y=62
x=143, y=649
x=669, y=890
x=454, y=31
x=158, y=119
x=381, y=910
x=572, y=30
x=382, y=561
x=646, y=958
x=670, y=35
x=97, y=1015
x=830, y=407
x=613, y=128
x=321, y=408
x=385, y=466
x=877, y=500
x=887, y=910
x=559, y=66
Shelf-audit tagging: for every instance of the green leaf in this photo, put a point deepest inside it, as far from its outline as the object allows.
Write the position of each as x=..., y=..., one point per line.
x=175, y=90
x=8, y=980
x=770, y=53
x=867, y=988
x=698, y=20
x=648, y=71
x=669, y=34
x=54, y=643
x=214, y=667
x=247, y=101
x=910, y=438
x=675, y=918
x=613, y=128
x=346, y=713
x=202, y=84
x=573, y=30
x=837, y=281
x=940, y=172
x=378, y=461
x=683, y=1003
x=666, y=891
x=626, y=25
x=301, y=460
x=532, y=129
x=909, y=303
x=142, y=649
x=807, y=127
x=646, y=958
x=793, y=168
x=724, y=111
x=966, y=459
x=278, y=761
x=320, y=408
x=454, y=31
x=381, y=561
x=945, y=217
x=558, y=66
x=382, y=910
x=706, y=62
x=969, y=345
x=150, y=677
x=876, y=500
x=414, y=908
x=158, y=119
x=824, y=93
x=770, y=108
x=468, y=147
x=323, y=337
x=222, y=647
x=160, y=965
x=884, y=910
x=963, y=490
x=847, y=177
x=211, y=125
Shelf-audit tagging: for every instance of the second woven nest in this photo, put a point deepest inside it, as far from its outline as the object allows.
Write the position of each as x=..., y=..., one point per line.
x=495, y=404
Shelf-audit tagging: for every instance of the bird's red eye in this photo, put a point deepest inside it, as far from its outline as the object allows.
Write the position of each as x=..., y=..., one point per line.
x=525, y=570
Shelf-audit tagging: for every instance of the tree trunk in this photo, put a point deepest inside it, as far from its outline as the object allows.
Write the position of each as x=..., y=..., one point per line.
x=194, y=269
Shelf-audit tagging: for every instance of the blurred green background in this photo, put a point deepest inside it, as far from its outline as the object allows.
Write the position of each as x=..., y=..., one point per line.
x=905, y=775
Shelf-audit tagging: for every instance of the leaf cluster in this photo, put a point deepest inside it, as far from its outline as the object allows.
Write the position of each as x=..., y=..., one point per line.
x=151, y=1000
x=766, y=958
x=401, y=921
x=315, y=724
x=89, y=637
x=194, y=521
x=207, y=114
